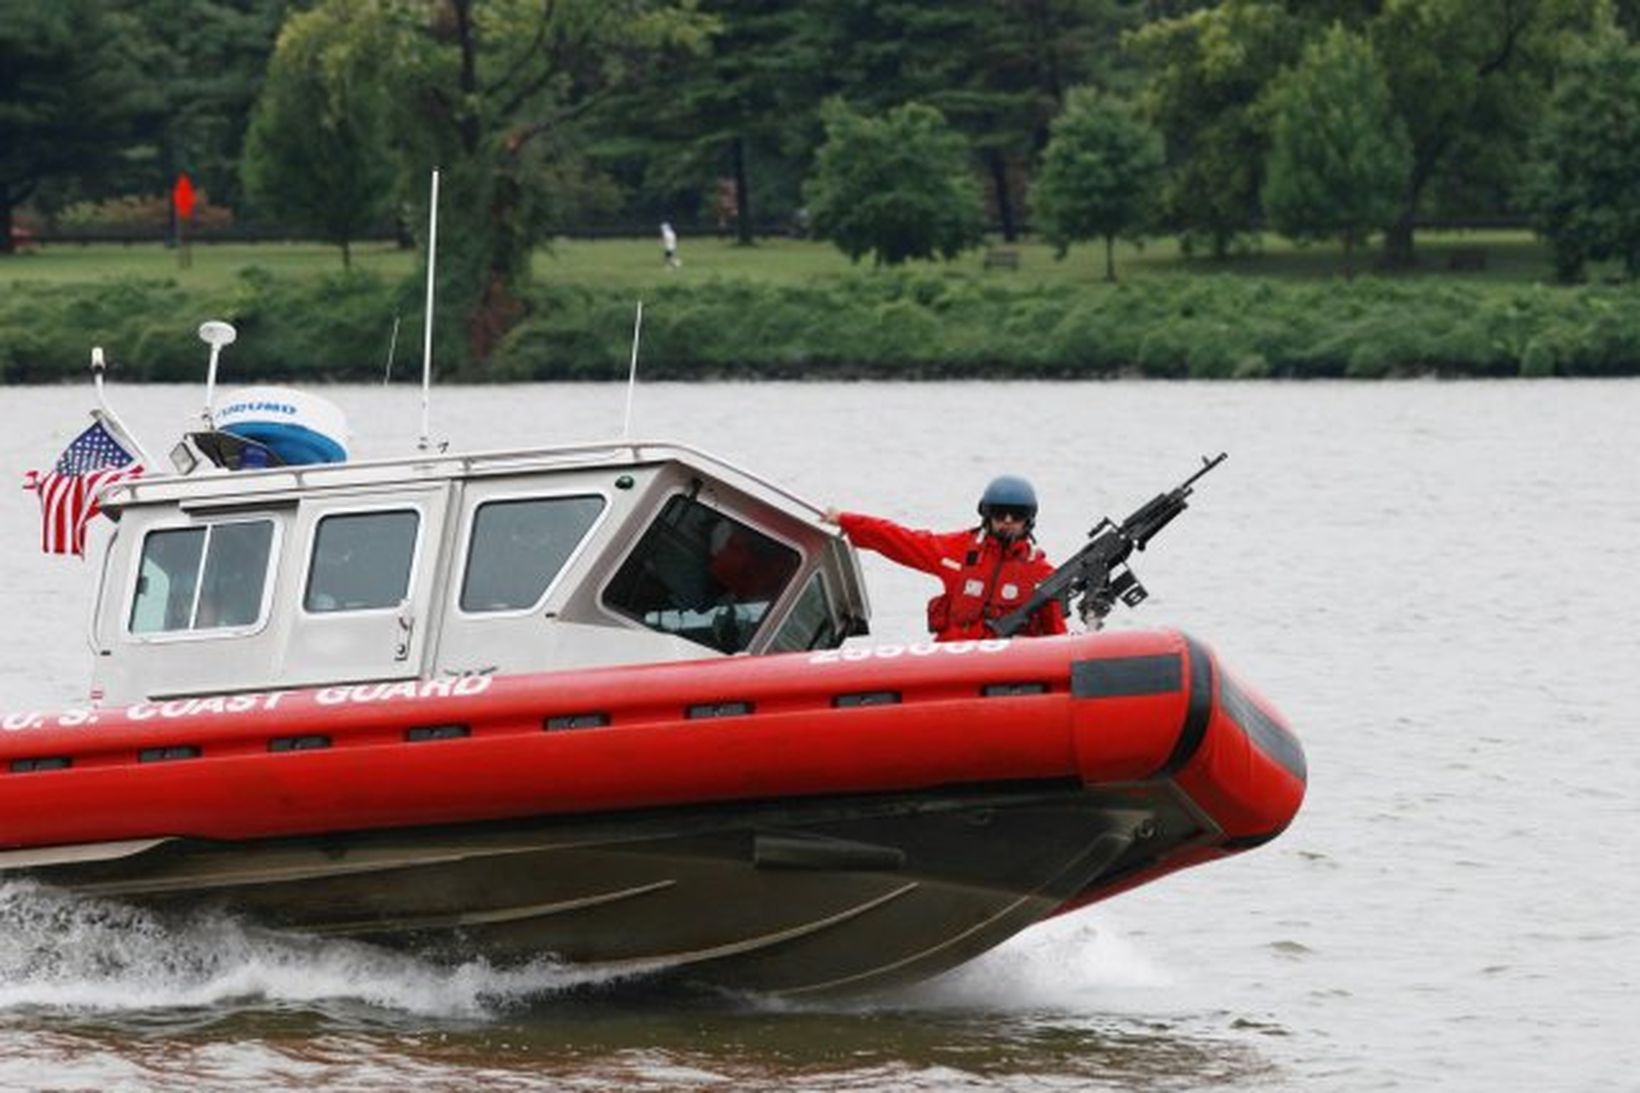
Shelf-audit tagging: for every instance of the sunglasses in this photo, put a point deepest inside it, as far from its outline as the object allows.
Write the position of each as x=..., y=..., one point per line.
x=1008, y=512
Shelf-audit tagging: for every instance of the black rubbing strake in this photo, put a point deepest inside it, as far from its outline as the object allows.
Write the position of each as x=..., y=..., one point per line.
x=1198, y=712
x=1268, y=735
x=1123, y=677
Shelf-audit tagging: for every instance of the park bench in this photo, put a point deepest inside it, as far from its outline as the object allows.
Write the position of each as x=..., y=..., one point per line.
x=1467, y=259
x=1001, y=258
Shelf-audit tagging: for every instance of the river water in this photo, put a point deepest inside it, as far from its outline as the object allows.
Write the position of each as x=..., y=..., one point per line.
x=1434, y=580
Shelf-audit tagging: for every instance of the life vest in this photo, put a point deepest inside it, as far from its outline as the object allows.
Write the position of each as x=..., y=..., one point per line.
x=983, y=577
x=991, y=580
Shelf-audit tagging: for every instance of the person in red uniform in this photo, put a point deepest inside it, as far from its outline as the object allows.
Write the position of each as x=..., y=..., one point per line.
x=987, y=570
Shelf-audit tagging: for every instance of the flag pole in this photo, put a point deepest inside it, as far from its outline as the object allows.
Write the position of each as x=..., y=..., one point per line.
x=105, y=411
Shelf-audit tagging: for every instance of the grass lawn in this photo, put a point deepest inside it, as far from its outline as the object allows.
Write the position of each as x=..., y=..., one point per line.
x=209, y=265
x=1511, y=257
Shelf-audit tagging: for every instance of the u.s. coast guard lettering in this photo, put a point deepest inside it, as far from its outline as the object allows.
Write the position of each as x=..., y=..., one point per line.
x=410, y=688
x=259, y=702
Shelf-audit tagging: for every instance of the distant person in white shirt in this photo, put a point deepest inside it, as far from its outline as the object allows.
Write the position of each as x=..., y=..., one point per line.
x=669, y=246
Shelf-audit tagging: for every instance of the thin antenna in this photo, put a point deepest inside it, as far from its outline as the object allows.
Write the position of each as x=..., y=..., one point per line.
x=632, y=375
x=392, y=349
x=427, y=333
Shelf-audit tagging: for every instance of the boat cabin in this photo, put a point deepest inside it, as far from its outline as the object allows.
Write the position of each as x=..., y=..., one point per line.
x=437, y=566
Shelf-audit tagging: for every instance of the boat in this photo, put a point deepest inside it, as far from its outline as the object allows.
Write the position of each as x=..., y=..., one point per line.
x=611, y=704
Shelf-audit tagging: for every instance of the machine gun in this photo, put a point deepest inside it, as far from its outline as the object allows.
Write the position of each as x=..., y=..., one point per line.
x=1098, y=573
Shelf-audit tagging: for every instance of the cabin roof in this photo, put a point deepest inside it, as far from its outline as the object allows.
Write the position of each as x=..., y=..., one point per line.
x=281, y=483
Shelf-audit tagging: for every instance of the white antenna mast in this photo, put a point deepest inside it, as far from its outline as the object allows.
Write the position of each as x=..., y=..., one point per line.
x=216, y=334
x=99, y=365
x=427, y=334
x=632, y=374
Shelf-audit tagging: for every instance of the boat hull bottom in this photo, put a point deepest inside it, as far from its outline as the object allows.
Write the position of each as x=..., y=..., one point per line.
x=834, y=896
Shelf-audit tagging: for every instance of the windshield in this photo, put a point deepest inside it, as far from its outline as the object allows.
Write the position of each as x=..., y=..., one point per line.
x=703, y=575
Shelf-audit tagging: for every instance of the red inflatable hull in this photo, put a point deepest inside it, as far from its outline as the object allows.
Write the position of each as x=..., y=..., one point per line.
x=341, y=758
x=849, y=748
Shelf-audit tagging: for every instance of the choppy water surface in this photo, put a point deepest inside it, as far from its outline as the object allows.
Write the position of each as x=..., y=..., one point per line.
x=1434, y=580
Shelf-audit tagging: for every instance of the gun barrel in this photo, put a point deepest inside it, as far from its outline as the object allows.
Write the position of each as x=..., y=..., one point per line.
x=1207, y=465
x=1161, y=510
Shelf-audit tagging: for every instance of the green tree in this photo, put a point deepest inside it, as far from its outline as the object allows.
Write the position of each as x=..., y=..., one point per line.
x=897, y=186
x=496, y=93
x=1468, y=79
x=70, y=96
x=318, y=154
x=998, y=70
x=1584, y=188
x=1099, y=174
x=1339, y=155
x=1206, y=71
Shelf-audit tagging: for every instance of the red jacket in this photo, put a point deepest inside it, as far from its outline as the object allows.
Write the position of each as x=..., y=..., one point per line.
x=984, y=578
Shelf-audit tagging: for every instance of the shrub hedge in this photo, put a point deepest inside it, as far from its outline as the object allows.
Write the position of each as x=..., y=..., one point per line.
x=867, y=325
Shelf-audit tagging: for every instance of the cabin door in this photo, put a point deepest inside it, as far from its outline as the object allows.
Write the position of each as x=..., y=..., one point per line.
x=366, y=568
x=521, y=552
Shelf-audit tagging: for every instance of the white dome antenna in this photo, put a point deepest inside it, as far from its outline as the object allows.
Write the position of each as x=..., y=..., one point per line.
x=216, y=334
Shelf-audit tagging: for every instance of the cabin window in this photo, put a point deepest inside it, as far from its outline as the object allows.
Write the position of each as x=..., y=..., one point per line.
x=702, y=575
x=202, y=578
x=361, y=561
x=518, y=547
x=810, y=624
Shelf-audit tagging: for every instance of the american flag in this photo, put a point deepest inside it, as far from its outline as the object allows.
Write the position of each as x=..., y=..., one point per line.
x=68, y=494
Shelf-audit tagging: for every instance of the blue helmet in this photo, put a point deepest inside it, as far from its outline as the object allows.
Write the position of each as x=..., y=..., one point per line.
x=1009, y=491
